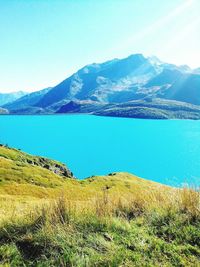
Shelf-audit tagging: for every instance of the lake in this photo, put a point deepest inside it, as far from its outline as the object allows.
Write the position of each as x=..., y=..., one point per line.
x=166, y=151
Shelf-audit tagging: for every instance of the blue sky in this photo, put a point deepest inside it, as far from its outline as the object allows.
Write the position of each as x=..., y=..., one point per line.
x=44, y=41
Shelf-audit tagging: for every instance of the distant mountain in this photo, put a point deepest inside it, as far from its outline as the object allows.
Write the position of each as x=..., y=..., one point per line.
x=27, y=102
x=116, y=81
x=10, y=97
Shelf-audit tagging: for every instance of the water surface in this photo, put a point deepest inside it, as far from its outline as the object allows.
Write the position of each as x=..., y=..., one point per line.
x=159, y=150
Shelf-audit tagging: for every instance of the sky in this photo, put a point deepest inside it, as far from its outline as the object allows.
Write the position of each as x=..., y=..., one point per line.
x=42, y=42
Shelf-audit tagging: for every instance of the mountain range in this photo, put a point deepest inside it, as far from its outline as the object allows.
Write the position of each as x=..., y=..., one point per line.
x=120, y=82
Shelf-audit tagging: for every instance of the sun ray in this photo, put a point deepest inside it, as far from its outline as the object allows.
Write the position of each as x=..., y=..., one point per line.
x=181, y=36
x=138, y=36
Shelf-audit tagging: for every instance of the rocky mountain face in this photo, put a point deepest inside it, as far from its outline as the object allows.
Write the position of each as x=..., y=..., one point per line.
x=111, y=81
x=132, y=78
x=115, y=82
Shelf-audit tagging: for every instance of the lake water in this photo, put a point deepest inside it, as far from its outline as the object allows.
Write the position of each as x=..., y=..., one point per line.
x=158, y=150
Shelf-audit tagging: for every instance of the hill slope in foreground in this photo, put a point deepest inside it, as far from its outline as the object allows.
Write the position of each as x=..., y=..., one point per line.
x=48, y=218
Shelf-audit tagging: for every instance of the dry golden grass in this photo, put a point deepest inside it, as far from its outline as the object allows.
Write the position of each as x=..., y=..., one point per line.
x=106, y=195
x=97, y=192
x=104, y=221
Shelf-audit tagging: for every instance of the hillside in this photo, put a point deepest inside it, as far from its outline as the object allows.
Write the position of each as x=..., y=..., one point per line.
x=19, y=167
x=50, y=219
x=147, y=108
x=119, y=81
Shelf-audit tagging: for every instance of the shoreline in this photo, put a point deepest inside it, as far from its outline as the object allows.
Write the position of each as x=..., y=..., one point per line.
x=90, y=114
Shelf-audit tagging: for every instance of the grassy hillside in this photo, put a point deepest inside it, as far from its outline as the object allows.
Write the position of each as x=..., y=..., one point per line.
x=49, y=219
x=20, y=167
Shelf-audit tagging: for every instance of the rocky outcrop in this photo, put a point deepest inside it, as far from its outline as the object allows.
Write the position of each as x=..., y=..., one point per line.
x=56, y=167
x=23, y=158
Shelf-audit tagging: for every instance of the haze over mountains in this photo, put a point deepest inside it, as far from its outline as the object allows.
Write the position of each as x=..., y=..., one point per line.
x=10, y=97
x=117, y=82
x=28, y=101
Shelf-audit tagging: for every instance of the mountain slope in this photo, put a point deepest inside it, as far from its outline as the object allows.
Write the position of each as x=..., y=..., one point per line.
x=10, y=97
x=186, y=88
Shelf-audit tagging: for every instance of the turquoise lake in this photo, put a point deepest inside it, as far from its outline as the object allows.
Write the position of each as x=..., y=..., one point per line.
x=166, y=151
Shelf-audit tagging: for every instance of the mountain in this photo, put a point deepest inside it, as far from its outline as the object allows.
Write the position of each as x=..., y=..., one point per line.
x=116, y=81
x=50, y=219
x=122, y=80
x=26, y=104
x=113, y=81
x=10, y=97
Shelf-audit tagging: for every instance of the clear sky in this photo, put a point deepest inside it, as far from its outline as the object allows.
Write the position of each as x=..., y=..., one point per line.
x=44, y=41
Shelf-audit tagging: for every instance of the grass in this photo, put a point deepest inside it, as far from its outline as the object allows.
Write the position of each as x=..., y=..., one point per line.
x=103, y=232
x=113, y=220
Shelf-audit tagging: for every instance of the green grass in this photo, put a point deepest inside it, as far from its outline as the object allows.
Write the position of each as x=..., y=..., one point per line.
x=62, y=235
x=113, y=220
